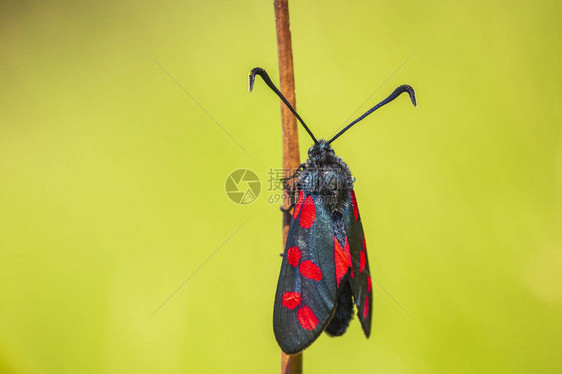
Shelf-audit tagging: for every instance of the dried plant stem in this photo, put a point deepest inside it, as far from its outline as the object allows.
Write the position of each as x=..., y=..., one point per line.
x=290, y=364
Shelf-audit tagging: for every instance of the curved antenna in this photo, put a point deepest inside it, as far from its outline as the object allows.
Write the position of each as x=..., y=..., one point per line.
x=262, y=73
x=392, y=96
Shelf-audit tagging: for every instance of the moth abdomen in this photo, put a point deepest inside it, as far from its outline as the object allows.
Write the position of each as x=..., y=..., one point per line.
x=344, y=312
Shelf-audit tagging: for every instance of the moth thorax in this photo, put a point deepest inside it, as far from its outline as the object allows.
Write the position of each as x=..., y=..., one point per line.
x=334, y=188
x=331, y=183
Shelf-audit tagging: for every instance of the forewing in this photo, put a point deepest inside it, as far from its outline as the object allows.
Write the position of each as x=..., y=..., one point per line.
x=362, y=287
x=306, y=291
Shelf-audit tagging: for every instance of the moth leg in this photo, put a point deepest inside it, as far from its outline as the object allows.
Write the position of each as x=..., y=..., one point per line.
x=296, y=174
x=291, y=199
x=291, y=190
x=292, y=193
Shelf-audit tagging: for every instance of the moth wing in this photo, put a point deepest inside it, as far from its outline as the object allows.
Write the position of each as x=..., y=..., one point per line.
x=362, y=287
x=306, y=291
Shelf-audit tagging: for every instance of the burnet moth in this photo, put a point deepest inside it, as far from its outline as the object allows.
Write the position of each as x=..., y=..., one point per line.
x=325, y=270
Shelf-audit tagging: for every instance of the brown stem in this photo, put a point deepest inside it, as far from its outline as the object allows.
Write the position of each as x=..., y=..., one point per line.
x=290, y=364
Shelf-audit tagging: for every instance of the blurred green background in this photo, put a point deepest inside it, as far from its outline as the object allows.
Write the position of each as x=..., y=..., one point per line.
x=112, y=183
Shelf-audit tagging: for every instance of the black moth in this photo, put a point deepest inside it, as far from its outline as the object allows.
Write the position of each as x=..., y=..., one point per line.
x=325, y=270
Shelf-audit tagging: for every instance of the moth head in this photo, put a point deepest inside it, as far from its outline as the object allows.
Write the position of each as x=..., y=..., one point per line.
x=321, y=151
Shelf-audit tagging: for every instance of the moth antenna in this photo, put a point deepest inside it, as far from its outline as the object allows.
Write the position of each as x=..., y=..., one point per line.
x=392, y=96
x=262, y=73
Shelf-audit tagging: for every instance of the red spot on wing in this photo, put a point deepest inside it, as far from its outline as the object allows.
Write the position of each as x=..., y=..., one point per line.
x=362, y=261
x=342, y=258
x=369, y=286
x=293, y=256
x=354, y=204
x=291, y=300
x=311, y=271
x=348, y=253
x=366, y=307
x=299, y=205
x=307, y=318
x=308, y=214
